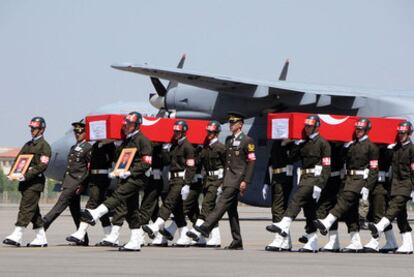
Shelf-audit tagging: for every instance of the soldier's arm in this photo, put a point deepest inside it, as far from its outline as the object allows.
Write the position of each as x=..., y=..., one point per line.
x=111, y=153
x=142, y=163
x=250, y=149
x=190, y=168
x=373, y=167
x=87, y=158
x=412, y=167
x=326, y=164
x=39, y=166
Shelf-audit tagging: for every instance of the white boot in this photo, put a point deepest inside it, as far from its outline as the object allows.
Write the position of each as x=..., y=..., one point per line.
x=40, y=239
x=276, y=244
x=134, y=243
x=16, y=237
x=107, y=231
x=154, y=228
x=355, y=246
x=79, y=235
x=215, y=239
x=372, y=246
x=391, y=242
x=112, y=239
x=169, y=232
x=407, y=244
x=282, y=227
x=193, y=233
x=333, y=243
x=98, y=212
x=325, y=224
x=312, y=245
x=378, y=229
x=159, y=241
x=183, y=240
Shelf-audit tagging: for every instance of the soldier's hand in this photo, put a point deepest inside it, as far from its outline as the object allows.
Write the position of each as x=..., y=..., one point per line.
x=316, y=193
x=9, y=178
x=21, y=178
x=185, y=191
x=111, y=175
x=412, y=196
x=364, y=193
x=219, y=191
x=243, y=187
x=264, y=191
x=125, y=174
x=79, y=190
x=166, y=147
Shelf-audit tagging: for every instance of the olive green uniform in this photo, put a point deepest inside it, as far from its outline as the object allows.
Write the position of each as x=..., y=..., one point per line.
x=212, y=158
x=102, y=157
x=182, y=170
x=282, y=178
x=401, y=185
x=239, y=166
x=315, y=155
x=76, y=176
x=359, y=156
x=34, y=183
x=127, y=191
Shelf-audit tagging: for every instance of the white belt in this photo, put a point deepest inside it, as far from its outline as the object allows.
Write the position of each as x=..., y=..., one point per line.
x=155, y=172
x=335, y=173
x=307, y=171
x=179, y=174
x=355, y=172
x=382, y=175
x=218, y=173
x=279, y=170
x=99, y=171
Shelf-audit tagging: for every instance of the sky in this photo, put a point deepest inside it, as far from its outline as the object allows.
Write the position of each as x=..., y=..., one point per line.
x=55, y=55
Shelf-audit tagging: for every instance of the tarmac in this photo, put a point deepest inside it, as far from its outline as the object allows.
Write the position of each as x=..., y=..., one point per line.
x=60, y=259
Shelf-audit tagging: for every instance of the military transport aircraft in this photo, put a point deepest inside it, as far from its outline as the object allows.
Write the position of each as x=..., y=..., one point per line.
x=190, y=94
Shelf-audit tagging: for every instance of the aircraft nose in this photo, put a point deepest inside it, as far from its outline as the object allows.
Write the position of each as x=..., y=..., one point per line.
x=157, y=101
x=60, y=150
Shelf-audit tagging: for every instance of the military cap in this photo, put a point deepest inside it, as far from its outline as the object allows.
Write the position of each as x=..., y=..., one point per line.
x=236, y=116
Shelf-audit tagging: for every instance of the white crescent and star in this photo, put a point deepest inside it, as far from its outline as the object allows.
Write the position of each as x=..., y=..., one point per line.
x=332, y=121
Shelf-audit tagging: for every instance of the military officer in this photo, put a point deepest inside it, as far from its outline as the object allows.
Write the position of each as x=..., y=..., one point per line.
x=282, y=180
x=180, y=156
x=102, y=157
x=130, y=182
x=361, y=159
x=212, y=160
x=31, y=184
x=239, y=168
x=315, y=154
x=402, y=189
x=75, y=179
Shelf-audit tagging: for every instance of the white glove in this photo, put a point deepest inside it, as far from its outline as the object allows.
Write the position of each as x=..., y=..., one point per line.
x=111, y=175
x=166, y=146
x=21, y=178
x=185, y=191
x=264, y=191
x=412, y=196
x=219, y=191
x=125, y=174
x=316, y=193
x=297, y=142
x=364, y=193
x=9, y=178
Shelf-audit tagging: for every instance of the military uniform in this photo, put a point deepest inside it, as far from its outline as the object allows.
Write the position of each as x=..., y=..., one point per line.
x=76, y=176
x=239, y=167
x=34, y=182
x=102, y=157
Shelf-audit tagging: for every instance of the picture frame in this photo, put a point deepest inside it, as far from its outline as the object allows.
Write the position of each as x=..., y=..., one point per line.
x=124, y=161
x=20, y=166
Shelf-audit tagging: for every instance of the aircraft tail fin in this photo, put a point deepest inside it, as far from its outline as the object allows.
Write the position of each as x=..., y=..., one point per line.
x=284, y=72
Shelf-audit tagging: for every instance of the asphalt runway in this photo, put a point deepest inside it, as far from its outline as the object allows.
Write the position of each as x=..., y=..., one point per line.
x=59, y=259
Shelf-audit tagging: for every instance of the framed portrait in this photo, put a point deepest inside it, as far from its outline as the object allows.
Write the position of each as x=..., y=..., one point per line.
x=20, y=166
x=124, y=160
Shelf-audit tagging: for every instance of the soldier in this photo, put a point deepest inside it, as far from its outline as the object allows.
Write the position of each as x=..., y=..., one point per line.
x=102, y=157
x=315, y=154
x=130, y=183
x=402, y=189
x=281, y=187
x=31, y=185
x=74, y=179
x=378, y=200
x=239, y=168
x=212, y=159
x=180, y=156
x=361, y=174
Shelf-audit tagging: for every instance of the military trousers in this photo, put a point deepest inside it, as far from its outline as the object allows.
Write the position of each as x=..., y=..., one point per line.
x=398, y=209
x=281, y=188
x=29, y=210
x=328, y=199
x=173, y=203
x=210, y=187
x=98, y=187
x=227, y=202
x=347, y=208
x=191, y=204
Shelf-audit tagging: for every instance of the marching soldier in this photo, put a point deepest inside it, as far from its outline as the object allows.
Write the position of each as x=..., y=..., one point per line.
x=402, y=189
x=212, y=159
x=239, y=168
x=180, y=156
x=281, y=187
x=74, y=180
x=315, y=154
x=102, y=157
x=130, y=183
x=378, y=202
x=31, y=185
x=361, y=175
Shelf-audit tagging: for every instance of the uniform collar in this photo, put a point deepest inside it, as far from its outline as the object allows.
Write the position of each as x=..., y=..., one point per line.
x=213, y=141
x=36, y=139
x=314, y=136
x=181, y=140
x=81, y=142
x=132, y=134
x=365, y=137
x=236, y=136
x=406, y=143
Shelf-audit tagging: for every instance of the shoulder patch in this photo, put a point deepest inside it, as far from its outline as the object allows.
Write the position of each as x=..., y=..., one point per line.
x=251, y=147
